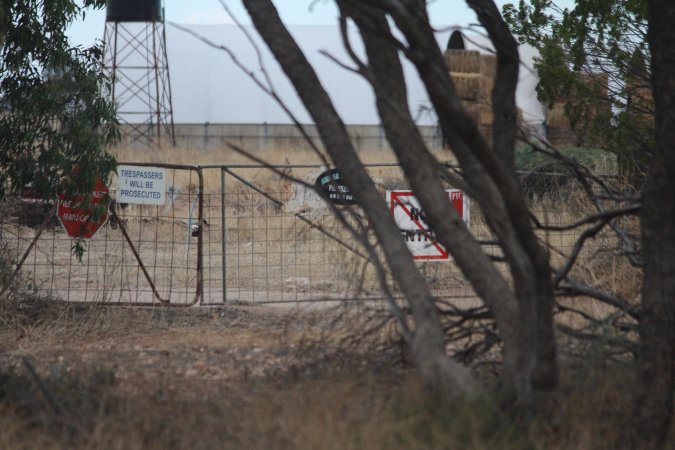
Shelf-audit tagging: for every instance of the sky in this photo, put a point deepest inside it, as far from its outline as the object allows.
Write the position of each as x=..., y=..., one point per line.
x=202, y=79
x=293, y=12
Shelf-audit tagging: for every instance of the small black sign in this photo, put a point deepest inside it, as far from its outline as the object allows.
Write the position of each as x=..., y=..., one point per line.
x=331, y=183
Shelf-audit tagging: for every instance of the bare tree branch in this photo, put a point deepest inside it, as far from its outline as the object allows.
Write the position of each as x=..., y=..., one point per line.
x=428, y=347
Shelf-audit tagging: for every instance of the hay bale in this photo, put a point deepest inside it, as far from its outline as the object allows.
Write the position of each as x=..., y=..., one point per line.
x=594, y=86
x=562, y=136
x=480, y=113
x=463, y=61
x=486, y=117
x=473, y=87
x=592, y=114
x=467, y=85
x=486, y=86
x=488, y=66
x=641, y=101
x=596, y=83
x=640, y=95
x=556, y=116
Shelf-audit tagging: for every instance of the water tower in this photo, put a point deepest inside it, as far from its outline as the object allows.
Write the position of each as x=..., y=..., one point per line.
x=135, y=58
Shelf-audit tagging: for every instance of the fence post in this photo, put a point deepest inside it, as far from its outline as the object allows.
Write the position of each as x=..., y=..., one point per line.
x=200, y=238
x=206, y=136
x=223, y=232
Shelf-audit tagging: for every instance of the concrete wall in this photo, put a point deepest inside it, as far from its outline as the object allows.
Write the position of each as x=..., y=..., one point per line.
x=252, y=137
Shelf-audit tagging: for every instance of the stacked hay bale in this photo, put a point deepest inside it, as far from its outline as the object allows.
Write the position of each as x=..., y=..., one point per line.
x=561, y=132
x=473, y=75
x=471, y=86
x=559, y=129
x=637, y=88
x=640, y=98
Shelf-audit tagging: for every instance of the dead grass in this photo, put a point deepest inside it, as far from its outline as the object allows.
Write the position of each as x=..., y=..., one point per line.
x=264, y=177
x=267, y=245
x=261, y=378
x=278, y=155
x=264, y=378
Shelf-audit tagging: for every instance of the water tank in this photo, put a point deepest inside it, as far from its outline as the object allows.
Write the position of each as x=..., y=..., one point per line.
x=134, y=11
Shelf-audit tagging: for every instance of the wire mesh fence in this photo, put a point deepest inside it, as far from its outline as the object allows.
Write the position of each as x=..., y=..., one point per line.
x=143, y=254
x=242, y=233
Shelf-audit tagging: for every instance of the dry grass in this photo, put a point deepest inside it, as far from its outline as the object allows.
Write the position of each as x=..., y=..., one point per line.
x=267, y=245
x=193, y=156
x=267, y=178
x=260, y=378
x=279, y=155
x=274, y=378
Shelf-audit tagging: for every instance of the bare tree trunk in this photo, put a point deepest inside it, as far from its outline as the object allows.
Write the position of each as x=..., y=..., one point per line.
x=428, y=344
x=493, y=184
x=422, y=170
x=504, y=92
x=656, y=358
x=533, y=285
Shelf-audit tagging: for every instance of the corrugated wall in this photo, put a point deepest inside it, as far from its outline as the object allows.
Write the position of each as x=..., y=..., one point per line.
x=253, y=137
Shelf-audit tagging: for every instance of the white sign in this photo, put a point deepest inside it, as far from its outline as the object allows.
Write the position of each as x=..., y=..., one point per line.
x=410, y=219
x=141, y=185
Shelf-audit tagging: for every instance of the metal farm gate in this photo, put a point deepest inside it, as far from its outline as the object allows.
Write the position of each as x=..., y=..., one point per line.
x=143, y=255
x=270, y=240
x=231, y=233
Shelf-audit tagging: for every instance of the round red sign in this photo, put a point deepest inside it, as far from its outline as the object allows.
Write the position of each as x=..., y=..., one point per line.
x=83, y=220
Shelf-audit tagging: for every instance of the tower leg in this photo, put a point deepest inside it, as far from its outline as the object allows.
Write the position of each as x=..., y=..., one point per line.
x=135, y=59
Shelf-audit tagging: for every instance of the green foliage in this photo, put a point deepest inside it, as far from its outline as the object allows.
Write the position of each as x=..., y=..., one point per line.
x=594, y=57
x=54, y=114
x=592, y=35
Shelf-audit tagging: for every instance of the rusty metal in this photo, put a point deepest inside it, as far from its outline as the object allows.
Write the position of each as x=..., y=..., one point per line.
x=247, y=245
x=260, y=267
x=42, y=228
x=200, y=238
x=223, y=236
x=138, y=258
x=310, y=223
x=135, y=58
x=110, y=272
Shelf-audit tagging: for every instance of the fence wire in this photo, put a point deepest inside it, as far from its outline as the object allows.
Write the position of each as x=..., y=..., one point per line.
x=243, y=233
x=143, y=254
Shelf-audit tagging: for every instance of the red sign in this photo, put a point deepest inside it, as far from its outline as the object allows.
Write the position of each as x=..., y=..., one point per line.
x=411, y=220
x=81, y=220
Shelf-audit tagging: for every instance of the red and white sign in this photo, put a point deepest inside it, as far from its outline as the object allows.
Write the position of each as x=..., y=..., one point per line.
x=409, y=217
x=81, y=220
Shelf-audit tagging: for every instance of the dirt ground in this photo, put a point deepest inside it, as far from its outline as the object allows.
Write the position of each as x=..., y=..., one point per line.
x=145, y=347
x=255, y=377
x=227, y=377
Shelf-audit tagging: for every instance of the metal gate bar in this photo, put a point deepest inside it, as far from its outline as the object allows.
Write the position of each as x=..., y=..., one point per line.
x=264, y=251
